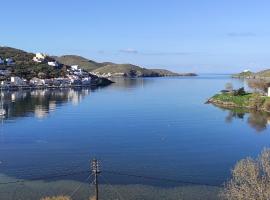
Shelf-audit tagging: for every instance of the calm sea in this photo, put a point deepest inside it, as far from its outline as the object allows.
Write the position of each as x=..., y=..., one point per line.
x=155, y=127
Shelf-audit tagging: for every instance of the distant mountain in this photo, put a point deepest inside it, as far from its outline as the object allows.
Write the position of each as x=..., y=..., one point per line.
x=128, y=70
x=109, y=69
x=265, y=74
x=26, y=68
x=245, y=74
x=84, y=63
x=165, y=72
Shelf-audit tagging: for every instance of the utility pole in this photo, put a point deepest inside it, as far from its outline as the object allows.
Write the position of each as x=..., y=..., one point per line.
x=96, y=171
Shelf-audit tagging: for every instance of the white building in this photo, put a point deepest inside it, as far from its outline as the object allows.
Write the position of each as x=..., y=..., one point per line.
x=268, y=93
x=74, y=67
x=86, y=81
x=9, y=61
x=1, y=61
x=17, y=81
x=5, y=72
x=40, y=57
x=37, y=81
x=53, y=64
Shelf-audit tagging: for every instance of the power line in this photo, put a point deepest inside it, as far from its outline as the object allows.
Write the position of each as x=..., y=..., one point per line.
x=159, y=179
x=116, y=191
x=45, y=177
x=74, y=191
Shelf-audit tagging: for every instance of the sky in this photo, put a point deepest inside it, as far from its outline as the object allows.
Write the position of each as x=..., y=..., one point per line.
x=202, y=36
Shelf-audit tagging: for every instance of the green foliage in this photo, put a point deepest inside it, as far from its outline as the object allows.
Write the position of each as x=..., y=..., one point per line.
x=26, y=68
x=239, y=92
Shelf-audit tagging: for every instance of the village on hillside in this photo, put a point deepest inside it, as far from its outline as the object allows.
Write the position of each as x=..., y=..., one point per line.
x=74, y=75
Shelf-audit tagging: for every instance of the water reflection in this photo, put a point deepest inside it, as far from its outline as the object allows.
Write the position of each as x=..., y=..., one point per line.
x=126, y=83
x=256, y=120
x=39, y=102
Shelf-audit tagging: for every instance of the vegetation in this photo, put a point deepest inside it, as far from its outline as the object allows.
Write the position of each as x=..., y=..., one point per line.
x=259, y=85
x=251, y=75
x=57, y=198
x=250, y=179
x=86, y=64
x=26, y=68
x=240, y=99
x=229, y=86
x=127, y=70
x=247, y=74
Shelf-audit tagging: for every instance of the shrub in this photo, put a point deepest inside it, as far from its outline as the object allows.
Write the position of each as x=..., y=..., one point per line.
x=57, y=198
x=229, y=86
x=250, y=179
x=239, y=92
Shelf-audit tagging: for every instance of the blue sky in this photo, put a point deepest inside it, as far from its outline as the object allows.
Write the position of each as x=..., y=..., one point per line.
x=215, y=36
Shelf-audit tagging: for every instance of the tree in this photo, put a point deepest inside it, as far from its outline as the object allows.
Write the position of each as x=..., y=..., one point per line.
x=250, y=179
x=57, y=198
x=241, y=91
x=259, y=85
x=229, y=86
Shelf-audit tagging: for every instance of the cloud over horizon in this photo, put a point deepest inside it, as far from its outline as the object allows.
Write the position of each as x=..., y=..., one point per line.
x=241, y=34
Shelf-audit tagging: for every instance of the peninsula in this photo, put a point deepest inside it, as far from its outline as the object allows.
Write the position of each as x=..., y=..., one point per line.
x=241, y=99
x=21, y=69
x=109, y=69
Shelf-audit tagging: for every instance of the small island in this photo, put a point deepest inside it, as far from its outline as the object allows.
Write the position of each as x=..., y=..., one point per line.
x=239, y=98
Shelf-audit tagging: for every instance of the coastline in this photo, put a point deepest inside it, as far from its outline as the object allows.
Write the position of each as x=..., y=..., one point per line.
x=251, y=102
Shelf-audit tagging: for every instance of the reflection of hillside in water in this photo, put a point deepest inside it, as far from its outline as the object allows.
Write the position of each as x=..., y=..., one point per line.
x=256, y=120
x=39, y=102
x=126, y=83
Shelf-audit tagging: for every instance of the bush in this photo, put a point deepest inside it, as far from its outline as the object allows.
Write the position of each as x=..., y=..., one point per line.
x=241, y=91
x=250, y=179
x=57, y=198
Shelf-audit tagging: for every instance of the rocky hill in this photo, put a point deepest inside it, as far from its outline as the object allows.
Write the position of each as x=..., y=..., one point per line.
x=84, y=63
x=109, y=69
x=24, y=67
x=265, y=74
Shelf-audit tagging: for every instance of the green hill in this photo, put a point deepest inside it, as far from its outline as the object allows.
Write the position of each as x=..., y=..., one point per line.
x=84, y=63
x=25, y=67
x=112, y=69
x=126, y=70
x=265, y=74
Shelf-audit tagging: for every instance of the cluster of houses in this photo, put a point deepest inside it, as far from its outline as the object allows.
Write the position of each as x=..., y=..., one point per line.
x=7, y=61
x=41, y=58
x=75, y=76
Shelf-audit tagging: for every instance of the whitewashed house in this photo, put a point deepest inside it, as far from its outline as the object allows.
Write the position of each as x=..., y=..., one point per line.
x=17, y=81
x=86, y=81
x=10, y=61
x=39, y=58
x=74, y=67
x=5, y=72
x=2, y=61
x=53, y=64
x=37, y=81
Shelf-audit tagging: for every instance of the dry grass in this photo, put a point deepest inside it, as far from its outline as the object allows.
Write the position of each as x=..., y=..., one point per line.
x=250, y=179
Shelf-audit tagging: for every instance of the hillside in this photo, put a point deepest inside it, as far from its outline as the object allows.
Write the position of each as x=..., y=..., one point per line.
x=112, y=69
x=84, y=63
x=25, y=67
x=265, y=74
x=247, y=74
x=164, y=72
x=126, y=70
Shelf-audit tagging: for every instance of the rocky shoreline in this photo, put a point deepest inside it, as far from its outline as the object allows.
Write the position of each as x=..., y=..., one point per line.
x=254, y=103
